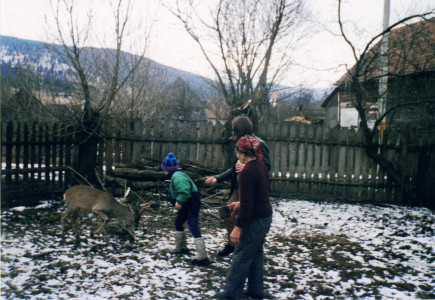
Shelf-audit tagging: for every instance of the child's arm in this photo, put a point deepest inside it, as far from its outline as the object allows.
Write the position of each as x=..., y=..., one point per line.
x=182, y=189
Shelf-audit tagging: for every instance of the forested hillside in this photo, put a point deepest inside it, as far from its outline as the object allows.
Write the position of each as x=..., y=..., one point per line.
x=15, y=52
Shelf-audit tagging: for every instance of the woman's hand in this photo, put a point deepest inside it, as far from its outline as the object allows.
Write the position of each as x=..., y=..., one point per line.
x=239, y=166
x=211, y=180
x=235, y=235
x=234, y=206
x=178, y=206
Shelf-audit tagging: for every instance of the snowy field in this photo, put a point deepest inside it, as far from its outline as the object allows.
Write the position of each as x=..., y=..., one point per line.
x=313, y=251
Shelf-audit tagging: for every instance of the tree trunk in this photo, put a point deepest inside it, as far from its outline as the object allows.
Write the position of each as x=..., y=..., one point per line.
x=393, y=173
x=88, y=147
x=425, y=189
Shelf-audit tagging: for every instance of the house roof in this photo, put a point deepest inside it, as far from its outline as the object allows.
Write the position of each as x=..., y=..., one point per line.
x=180, y=85
x=299, y=119
x=411, y=50
x=330, y=96
x=216, y=111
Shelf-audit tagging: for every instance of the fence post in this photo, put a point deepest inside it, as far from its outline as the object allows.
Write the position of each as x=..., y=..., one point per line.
x=118, y=142
x=33, y=151
x=40, y=149
x=53, y=152
x=403, y=162
x=137, y=145
x=47, y=155
x=68, y=155
x=17, y=150
x=26, y=150
x=62, y=146
x=127, y=144
x=283, y=133
x=108, y=145
x=9, y=137
x=425, y=178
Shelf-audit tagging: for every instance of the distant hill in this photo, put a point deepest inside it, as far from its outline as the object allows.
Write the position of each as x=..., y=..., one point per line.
x=36, y=55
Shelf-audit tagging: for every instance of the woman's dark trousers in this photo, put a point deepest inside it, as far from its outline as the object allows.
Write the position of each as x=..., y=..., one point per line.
x=248, y=260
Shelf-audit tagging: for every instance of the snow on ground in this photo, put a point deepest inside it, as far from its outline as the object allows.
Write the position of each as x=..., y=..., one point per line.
x=315, y=250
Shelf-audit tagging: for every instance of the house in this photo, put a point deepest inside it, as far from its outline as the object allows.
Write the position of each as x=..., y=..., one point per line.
x=410, y=97
x=23, y=105
x=217, y=112
x=182, y=103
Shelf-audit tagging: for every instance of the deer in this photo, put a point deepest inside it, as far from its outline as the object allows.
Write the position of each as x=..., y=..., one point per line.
x=82, y=198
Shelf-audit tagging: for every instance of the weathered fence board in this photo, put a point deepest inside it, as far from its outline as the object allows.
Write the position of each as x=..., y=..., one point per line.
x=32, y=155
x=307, y=161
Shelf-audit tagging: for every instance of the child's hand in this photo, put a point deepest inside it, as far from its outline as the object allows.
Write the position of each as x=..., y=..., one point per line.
x=178, y=206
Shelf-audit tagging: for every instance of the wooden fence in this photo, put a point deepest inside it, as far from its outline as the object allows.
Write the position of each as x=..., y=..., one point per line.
x=36, y=160
x=314, y=162
x=129, y=143
x=308, y=162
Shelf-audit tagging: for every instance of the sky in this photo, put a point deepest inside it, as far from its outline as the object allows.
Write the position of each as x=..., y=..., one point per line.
x=321, y=59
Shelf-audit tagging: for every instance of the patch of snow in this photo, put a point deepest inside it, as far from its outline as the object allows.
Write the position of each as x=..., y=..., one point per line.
x=393, y=248
x=18, y=208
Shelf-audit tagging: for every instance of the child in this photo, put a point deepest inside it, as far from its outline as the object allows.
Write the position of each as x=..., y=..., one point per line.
x=187, y=200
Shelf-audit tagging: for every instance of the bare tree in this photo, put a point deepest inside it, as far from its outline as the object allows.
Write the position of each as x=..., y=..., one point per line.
x=98, y=75
x=411, y=48
x=247, y=43
x=296, y=103
x=142, y=97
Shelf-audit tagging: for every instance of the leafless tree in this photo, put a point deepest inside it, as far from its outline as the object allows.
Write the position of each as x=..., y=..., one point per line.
x=142, y=97
x=98, y=75
x=247, y=43
x=410, y=56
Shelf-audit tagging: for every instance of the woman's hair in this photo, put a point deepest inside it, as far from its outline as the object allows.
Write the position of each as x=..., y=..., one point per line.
x=249, y=146
x=242, y=125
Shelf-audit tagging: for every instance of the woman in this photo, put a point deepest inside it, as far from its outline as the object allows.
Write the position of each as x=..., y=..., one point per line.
x=242, y=125
x=252, y=222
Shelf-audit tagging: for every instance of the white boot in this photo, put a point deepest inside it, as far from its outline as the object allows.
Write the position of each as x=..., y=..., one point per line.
x=201, y=255
x=180, y=243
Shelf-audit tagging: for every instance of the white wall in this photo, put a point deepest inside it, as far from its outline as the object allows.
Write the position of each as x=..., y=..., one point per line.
x=348, y=117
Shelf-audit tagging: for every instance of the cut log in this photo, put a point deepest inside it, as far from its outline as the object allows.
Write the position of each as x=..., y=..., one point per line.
x=136, y=174
x=141, y=185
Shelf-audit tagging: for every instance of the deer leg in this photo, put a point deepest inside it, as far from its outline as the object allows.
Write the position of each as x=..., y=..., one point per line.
x=62, y=220
x=73, y=213
x=128, y=230
x=104, y=218
x=74, y=218
x=105, y=235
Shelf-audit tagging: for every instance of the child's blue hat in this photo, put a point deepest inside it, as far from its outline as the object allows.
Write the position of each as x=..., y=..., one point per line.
x=170, y=163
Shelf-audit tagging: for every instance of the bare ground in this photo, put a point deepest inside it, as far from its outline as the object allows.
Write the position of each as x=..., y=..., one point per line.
x=301, y=262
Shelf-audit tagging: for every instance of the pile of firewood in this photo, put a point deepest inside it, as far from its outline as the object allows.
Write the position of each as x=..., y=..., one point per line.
x=147, y=182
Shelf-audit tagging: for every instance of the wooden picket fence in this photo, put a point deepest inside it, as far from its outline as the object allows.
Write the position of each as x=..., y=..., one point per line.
x=308, y=162
x=36, y=160
x=314, y=162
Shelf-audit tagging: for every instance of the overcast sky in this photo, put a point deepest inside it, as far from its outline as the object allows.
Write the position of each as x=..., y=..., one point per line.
x=321, y=58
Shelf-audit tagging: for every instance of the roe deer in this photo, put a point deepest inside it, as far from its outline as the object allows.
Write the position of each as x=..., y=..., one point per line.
x=85, y=198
